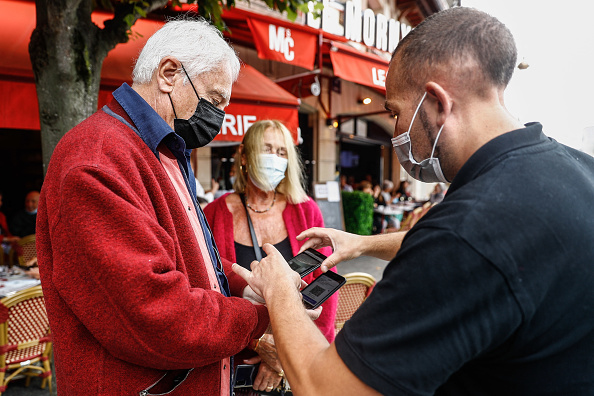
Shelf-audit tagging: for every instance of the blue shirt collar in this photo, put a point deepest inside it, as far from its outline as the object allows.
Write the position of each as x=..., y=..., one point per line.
x=151, y=127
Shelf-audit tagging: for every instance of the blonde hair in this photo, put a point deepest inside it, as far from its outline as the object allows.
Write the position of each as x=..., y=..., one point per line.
x=292, y=185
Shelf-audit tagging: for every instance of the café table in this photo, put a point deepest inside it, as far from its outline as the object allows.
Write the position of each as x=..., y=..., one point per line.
x=13, y=280
x=389, y=211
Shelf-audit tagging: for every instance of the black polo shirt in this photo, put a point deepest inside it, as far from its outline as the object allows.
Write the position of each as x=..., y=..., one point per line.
x=492, y=292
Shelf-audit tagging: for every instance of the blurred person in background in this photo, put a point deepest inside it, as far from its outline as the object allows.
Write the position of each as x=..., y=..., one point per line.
x=344, y=185
x=402, y=193
x=437, y=194
x=23, y=223
x=387, y=190
x=7, y=240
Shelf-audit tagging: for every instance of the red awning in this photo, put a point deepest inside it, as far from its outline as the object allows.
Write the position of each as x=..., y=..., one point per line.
x=254, y=96
x=358, y=67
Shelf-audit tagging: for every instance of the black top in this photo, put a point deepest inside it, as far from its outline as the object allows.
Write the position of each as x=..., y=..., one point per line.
x=23, y=224
x=245, y=254
x=492, y=292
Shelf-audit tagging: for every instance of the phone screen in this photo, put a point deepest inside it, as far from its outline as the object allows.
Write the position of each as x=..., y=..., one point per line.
x=306, y=262
x=321, y=289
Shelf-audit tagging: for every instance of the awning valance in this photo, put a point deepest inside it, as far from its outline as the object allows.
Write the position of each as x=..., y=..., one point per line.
x=356, y=66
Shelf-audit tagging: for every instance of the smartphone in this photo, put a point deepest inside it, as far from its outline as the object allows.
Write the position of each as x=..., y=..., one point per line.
x=245, y=375
x=306, y=262
x=321, y=289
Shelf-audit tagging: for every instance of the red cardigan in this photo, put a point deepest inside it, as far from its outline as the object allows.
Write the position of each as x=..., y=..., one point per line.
x=297, y=218
x=4, y=226
x=126, y=290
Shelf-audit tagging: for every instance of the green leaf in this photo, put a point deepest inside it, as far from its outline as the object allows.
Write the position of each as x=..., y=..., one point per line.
x=292, y=15
x=140, y=11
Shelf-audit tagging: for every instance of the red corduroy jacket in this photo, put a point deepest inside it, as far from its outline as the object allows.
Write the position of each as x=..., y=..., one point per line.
x=125, y=287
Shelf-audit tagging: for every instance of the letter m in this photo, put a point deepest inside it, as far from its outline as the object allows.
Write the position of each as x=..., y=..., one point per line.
x=276, y=40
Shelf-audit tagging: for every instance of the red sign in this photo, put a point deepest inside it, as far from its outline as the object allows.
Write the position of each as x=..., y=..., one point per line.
x=361, y=68
x=284, y=43
x=239, y=117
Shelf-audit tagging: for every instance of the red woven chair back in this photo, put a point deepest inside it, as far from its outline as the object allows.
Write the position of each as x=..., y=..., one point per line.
x=358, y=286
x=27, y=249
x=27, y=321
x=25, y=343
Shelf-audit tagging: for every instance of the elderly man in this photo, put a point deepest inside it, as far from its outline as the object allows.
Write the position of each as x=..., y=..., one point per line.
x=136, y=293
x=23, y=223
x=492, y=292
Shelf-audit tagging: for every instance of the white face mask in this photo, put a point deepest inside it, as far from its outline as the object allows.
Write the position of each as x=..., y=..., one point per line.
x=273, y=170
x=428, y=170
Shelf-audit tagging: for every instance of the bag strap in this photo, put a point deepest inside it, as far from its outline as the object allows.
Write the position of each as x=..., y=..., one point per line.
x=252, y=231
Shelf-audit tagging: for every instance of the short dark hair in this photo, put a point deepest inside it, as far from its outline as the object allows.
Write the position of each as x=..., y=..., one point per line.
x=456, y=35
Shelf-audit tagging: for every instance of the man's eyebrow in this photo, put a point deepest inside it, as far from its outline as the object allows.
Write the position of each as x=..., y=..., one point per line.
x=222, y=93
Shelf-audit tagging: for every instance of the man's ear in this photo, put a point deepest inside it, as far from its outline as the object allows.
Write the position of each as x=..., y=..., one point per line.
x=167, y=73
x=443, y=101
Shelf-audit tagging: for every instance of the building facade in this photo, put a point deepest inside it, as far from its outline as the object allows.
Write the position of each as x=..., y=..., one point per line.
x=324, y=77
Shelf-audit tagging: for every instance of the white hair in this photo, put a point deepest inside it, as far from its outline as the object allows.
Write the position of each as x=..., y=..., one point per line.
x=197, y=44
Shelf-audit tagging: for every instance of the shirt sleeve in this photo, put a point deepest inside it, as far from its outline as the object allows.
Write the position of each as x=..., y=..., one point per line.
x=432, y=312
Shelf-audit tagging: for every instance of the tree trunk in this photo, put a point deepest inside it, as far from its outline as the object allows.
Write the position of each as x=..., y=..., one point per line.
x=67, y=51
x=66, y=59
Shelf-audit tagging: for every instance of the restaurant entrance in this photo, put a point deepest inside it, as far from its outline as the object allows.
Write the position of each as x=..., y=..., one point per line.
x=361, y=161
x=22, y=167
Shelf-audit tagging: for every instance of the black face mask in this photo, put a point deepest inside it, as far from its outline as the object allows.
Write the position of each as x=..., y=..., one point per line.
x=203, y=126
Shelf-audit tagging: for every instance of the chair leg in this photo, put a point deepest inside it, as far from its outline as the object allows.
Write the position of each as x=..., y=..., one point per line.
x=2, y=384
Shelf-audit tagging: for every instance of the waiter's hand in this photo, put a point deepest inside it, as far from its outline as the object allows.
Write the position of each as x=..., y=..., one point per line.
x=345, y=246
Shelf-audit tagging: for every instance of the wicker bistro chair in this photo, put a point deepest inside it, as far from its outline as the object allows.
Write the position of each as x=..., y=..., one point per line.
x=356, y=289
x=25, y=344
x=27, y=250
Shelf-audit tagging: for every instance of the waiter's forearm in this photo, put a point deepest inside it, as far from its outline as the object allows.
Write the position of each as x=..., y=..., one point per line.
x=382, y=246
x=297, y=338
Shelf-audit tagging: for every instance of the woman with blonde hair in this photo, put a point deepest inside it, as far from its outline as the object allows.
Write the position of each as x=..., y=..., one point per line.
x=269, y=192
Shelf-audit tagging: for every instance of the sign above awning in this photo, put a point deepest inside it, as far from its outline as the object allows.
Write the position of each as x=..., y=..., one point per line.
x=358, y=67
x=283, y=42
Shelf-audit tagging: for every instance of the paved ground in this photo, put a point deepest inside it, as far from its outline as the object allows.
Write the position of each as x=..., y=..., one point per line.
x=17, y=388
x=371, y=265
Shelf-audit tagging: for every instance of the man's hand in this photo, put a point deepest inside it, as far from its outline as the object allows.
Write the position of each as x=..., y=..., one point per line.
x=252, y=297
x=272, y=272
x=345, y=246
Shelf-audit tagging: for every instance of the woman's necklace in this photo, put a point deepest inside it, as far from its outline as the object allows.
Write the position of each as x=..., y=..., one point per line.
x=261, y=211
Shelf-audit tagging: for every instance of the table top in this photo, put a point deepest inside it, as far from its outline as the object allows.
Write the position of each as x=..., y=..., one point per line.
x=13, y=280
x=407, y=206
x=388, y=210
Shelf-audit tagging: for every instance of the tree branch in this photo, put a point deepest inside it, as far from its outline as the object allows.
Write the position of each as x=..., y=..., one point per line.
x=117, y=29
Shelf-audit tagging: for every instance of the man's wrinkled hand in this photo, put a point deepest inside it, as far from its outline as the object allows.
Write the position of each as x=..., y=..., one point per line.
x=252, y=297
